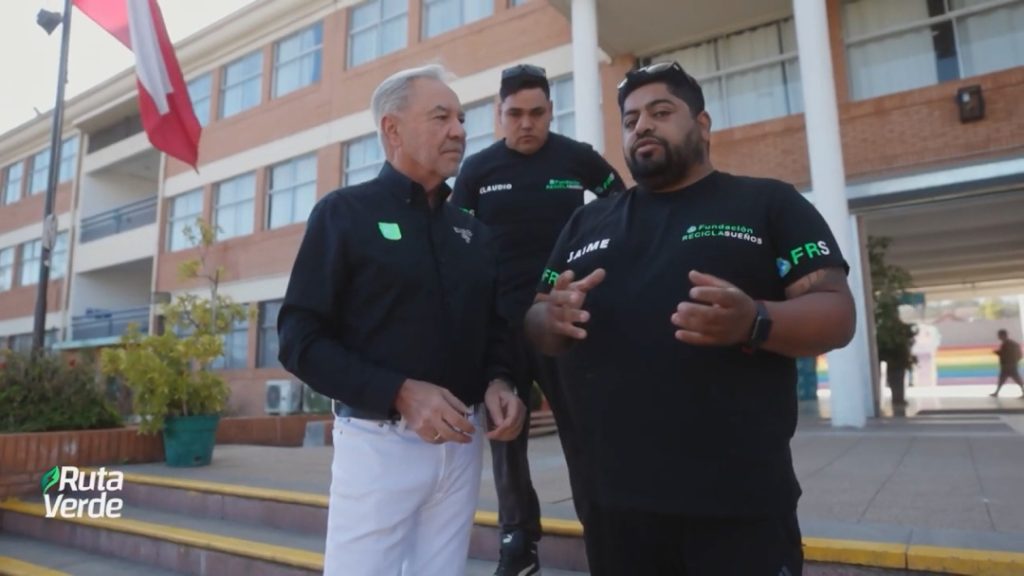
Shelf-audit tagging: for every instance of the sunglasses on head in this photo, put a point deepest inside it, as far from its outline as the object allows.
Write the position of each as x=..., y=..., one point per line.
x=523, y=70
x=650, y=70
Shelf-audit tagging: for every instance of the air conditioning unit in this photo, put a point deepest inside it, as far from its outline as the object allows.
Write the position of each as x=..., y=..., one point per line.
x=314, y=402
x=283, y=397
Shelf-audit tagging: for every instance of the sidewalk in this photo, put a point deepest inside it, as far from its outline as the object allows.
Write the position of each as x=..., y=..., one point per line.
x=953, y=480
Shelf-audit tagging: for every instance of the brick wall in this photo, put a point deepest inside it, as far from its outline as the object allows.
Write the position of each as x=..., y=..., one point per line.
x=25, y=457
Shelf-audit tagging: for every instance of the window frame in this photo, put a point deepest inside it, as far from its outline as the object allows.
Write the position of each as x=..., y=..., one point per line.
x=241, y=83
x=377, y=25
x=316, y=52
x=952, y=16
x=291, y=189
x=191, y=217
x=234, y=205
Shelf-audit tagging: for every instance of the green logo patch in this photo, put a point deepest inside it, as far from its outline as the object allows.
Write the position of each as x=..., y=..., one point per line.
x=549, y=276
x=390, y=230
x=556, y=184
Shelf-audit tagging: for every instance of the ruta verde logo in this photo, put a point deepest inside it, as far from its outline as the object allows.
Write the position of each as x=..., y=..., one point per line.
x=71, y=484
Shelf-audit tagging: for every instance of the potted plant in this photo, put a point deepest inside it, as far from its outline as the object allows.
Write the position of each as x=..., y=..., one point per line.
x=894, y=337
x=174, y=390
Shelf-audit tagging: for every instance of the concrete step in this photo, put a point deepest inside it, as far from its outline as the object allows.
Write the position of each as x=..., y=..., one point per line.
x=306, y=514
x=174, y=542
x=205, y=528
x=25, y=556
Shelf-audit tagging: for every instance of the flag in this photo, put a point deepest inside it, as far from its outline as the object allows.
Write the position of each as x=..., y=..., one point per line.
x=164, y=103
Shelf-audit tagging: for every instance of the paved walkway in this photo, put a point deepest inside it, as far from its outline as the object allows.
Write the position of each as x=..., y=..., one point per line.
x=952, y=475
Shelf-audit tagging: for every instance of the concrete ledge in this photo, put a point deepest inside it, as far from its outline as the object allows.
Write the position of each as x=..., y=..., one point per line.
x=13, y=567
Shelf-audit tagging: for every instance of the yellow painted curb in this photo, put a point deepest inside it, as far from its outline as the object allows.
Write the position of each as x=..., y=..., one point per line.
x=228, y=545
x=224, y=489
x=859, y=552
x=549, y=526
x=552, y=526
x=964, y=561
x=13, y=567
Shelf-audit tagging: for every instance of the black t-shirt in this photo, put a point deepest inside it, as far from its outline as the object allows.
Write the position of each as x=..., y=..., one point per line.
x=667, y=426
x=526, y=200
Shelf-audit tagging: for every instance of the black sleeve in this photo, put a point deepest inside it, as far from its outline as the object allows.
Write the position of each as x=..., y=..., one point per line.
x=308, y=347
x=557, y=261
x=601, y=178
x=802, y=239
x=499, y=345
x=466, y=194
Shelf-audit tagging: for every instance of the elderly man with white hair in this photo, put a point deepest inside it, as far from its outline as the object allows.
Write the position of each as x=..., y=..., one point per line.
x=391, y=311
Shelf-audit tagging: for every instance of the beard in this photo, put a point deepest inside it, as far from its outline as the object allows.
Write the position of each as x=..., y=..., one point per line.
x=656, y=173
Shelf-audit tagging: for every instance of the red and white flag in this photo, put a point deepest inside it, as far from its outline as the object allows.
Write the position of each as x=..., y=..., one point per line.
x=164, y=103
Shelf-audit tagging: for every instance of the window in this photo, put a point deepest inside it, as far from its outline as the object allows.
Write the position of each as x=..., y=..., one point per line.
x=747, y=76
x=897, y=46
x=363, y=159
x=236, y=348
x=6, y=269
x=199, y=91
x=31, y=256
x=12, y=183
x=40, y=172
x=479, y=127
x=440, y=16
x=21, y=343
x=185, y=210
x=268, y=346
x=377, y=28
x=241, y=85
x=297, y=60
x=68, y=155
x=233, y=207
x=59, y=256
x=563, y=118
x=292, y=191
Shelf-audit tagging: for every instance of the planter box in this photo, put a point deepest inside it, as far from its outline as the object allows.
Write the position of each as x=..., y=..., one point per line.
x=25, y=457
x=267, y=430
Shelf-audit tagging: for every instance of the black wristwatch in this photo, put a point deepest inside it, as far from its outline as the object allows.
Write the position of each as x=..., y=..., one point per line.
x=761, y=328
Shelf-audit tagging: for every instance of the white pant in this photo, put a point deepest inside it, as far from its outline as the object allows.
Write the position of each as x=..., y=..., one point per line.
x=399, y=505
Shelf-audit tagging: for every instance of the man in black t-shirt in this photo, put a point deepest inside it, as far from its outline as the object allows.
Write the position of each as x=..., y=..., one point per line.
x=525, y=187
x=1009, y=356
x=677, y=310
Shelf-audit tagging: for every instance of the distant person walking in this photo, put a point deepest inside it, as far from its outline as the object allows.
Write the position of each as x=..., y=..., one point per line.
x=1009, y=357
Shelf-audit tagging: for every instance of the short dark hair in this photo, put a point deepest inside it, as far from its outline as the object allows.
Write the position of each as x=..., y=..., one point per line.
x=679, y=84
x=1002, y=334
x=523, y=77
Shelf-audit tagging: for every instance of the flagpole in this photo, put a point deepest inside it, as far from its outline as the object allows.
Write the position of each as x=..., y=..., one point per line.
x=49, y=221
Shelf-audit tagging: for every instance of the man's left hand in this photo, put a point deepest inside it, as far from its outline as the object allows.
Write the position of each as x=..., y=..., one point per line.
x=506, y=411
x=720, y=314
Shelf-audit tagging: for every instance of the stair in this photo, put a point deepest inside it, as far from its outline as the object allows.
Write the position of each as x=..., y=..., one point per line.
x=542, y=423
x=216, y=529
x=174, y=526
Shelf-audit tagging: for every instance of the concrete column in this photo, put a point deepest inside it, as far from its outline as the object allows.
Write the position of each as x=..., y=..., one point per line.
x=847, y=368
x=587, y=74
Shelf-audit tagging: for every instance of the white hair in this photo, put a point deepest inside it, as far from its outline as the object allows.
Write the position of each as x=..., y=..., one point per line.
x=393, y=93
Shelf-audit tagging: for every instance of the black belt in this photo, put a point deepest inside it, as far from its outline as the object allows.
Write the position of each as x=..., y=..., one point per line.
x=345, y=411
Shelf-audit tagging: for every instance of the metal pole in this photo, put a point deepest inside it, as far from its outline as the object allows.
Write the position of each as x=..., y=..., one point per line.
x=49, y=221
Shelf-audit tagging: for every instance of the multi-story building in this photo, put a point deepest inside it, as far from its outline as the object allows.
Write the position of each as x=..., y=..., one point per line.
x=282, y=89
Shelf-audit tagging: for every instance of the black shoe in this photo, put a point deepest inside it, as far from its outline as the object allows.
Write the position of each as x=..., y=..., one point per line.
x=518, y=556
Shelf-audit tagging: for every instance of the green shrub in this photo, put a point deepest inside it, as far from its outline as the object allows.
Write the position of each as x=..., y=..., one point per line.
x=44, y=392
